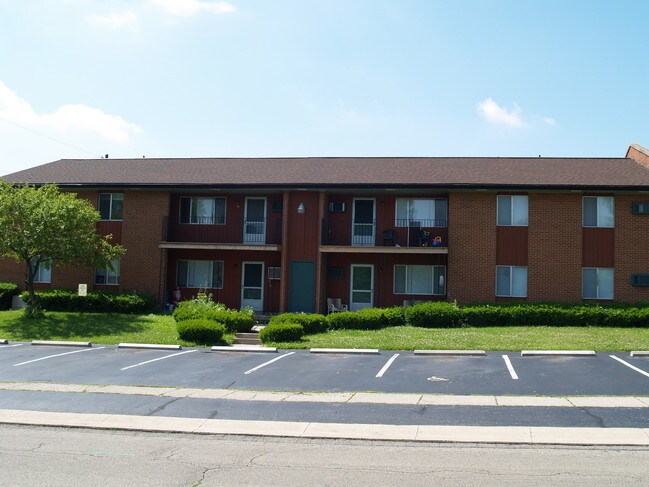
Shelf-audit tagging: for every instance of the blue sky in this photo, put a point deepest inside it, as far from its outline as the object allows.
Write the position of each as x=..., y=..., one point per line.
x=238, y=78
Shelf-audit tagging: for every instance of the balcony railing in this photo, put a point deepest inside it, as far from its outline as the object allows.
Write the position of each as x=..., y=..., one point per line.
x=232, y=231
x=392, y=232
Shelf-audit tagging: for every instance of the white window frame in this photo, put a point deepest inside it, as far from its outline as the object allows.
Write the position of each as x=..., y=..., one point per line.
x=512, y=199
x=511, y=281
x=598, y=223
x=111, y=278
x=403, y=223
x=598, y=269
x=110, y=208
x=408, y=266
x=192, y=200
x=44, y=273
x=211, y=274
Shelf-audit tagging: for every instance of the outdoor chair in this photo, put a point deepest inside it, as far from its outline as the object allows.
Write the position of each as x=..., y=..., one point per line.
x=334, y=305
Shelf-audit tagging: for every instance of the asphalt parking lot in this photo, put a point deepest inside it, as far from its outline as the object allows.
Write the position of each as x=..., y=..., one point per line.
x=389, y=371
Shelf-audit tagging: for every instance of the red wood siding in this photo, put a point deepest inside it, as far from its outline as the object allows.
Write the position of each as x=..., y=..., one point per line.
x=113, y=228
x=511, y=245
x=598, y=247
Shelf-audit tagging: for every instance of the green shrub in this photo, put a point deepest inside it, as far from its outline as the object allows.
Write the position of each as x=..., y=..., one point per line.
x=364, y=319
x=434, y=315
x=7, y=291
x=197, y=308
x=281, y=332
x=234, y=321
x=94, y=302
x=200, y=331
x=312, y=323
x=395, y=316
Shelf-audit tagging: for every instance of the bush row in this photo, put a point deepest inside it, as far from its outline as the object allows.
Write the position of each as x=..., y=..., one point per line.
x=7, y=291
x=198, y=309
x=95, y=302
x=205, y=332
x=281, y=332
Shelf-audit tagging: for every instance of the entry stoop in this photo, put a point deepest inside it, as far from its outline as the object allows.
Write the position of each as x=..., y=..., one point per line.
x=247, y=339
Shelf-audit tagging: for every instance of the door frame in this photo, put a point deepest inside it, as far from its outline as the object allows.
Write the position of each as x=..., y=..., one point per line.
x=243, y=270
x=373, y=241
x=245, y=218
x=351, y=286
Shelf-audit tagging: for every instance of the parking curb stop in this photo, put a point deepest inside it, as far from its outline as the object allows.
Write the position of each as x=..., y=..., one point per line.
x=61, y=343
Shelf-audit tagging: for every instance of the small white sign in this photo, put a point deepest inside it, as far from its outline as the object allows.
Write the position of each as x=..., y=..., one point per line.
x=83, y=289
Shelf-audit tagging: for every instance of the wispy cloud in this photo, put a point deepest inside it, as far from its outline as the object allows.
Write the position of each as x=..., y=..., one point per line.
x=189, y=8
x=116, y=20
x=549, y=121
x=75, y=118
x=494, y=113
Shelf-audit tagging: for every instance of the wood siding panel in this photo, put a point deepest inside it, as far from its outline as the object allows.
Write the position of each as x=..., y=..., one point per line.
x=113, y=228
x=598, y=247
x=511, y=245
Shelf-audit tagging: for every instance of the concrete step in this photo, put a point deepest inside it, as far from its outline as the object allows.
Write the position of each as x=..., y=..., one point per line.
x=247, y=341
x=247, y=335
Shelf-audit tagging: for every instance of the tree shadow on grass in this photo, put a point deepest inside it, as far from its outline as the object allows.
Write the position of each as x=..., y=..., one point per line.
x=58, y=326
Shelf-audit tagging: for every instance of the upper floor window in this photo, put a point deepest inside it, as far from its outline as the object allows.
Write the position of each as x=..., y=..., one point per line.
x=207, y=274
x=202, y=211
x=511, y=281
x=512, y=210
x=108, y=276
x=597, y=283
x=111, y=206
x=598, y=211
x=421, y=212
x=419, y=279
x=44, y=271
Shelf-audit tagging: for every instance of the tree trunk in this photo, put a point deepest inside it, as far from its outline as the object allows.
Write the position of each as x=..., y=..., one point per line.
x=29, y=285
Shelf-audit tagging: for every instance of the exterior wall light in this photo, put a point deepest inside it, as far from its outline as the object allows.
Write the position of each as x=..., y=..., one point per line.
x=300, y=208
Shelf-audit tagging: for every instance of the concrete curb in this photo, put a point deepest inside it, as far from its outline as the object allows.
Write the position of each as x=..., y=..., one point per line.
x=61, y=344
x=639, y=353
x=357, y=351
x=558, y=353
x=149, y=346
x=450, y=352
x=383, y=432
x=244, y=348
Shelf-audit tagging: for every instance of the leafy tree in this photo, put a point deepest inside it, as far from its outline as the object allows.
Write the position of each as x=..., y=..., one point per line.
x=41, y=225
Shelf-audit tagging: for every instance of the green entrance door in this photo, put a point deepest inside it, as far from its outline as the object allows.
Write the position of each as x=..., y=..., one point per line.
x=302, y=295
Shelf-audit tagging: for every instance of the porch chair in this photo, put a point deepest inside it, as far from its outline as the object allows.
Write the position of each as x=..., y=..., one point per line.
x=334, y=305
x=389, y=238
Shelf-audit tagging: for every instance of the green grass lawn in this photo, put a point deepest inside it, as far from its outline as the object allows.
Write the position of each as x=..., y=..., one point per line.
x=101, y=328
x=492, y=338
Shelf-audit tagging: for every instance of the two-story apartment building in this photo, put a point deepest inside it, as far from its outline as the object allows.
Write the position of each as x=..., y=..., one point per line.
x=287, y=234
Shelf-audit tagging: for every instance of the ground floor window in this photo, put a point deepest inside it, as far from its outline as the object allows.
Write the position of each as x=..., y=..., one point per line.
x=419, y=279
x=108, y=276
x=511, y=281
x=44, y=271
x=207, y=274
x=597, y=283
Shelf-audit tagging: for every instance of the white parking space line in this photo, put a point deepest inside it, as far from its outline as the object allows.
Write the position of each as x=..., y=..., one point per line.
x=267, y=363
x=629, y=365
x=387, y=365
x=15, y=345
x=58, y=355
x=510, y=367
x=159, y=358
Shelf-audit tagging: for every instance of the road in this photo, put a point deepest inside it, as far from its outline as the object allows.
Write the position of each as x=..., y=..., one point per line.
x=32, y=456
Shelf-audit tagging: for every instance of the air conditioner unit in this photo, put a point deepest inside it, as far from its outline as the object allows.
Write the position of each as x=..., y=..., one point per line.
x=640, y=208
x=274, y=273
x=336, y=207
x=640, y=279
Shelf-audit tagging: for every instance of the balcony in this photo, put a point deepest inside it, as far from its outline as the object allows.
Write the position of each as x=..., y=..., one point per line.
x=234, y=234
x=387, y=236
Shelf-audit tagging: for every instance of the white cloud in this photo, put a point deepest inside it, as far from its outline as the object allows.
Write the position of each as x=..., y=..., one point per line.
x=188, y=8
x=494, y=113
x=67, y=118
x=116, y=20
x=549, y=121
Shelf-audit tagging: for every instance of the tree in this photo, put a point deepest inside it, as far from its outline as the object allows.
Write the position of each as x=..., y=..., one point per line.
x=42, y=226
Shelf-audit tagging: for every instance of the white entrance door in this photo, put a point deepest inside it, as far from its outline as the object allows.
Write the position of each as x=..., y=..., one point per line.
x=363, y=222
x=252, y=285
x=362, y=287
x=254, y=221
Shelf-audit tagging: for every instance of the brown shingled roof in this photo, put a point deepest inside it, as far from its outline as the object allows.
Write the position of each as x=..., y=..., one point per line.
x=343, y=171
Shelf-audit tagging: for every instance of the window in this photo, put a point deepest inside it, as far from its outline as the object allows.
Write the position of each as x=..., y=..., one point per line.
x=44, y=272
x=597, y=283
x=107, y=276
x=511, y=281
x=206, y=274
x=202, y=211
x=421, y=213
x=598, y=211
x=111, y=206
x=420, y=279
x=512, y=210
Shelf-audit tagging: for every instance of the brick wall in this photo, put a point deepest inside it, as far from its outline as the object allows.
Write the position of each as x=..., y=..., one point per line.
x=472, y=247
x=141, y=265
x=631, y=248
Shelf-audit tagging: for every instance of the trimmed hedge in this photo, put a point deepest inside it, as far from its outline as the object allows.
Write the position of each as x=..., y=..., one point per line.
x=7, y=291
x=364, y=319
x=94, y=302
x=196, y=309
x=234, y=321
x=281, y=332
x=434, y=314
x=200, y=331
x=311, y=323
